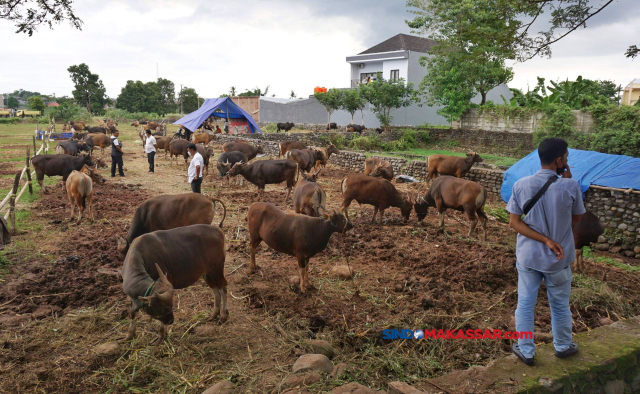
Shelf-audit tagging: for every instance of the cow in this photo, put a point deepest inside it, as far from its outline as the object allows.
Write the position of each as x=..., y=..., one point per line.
x=163, y=143
x=286, y=126
x=98, y=129
x=169, y=211
x=177, y=148
x=460, y=194
x=207, y=153
x=203, y=138
x=327, y=153
x=99, y=162
x=305, y=158
x=99, y=140
x=266, y=172
x=331, y=126
x=296, y=235
x=308, y=197
x=78, y=127
x=152, y=126
x=186, y=254
x=249, y=151
x=80, y=191
x=111, y=129
x=226, y=160
x=585, y=232
x=135, y=124
x=58, y=165
x=356, y=128
x=286, y=146
x=373, y=191
x=72, y=147
x=378, y=168
x=78, y=136
x=451, y=165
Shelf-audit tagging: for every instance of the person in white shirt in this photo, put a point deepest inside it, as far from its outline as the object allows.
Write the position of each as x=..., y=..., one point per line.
x=195, y=168
x=150, y=149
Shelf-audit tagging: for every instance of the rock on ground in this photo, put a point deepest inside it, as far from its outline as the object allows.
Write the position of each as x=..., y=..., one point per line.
x=313, y=362
x=343, y=272
x=352, y=388
x=107, y=349
x=322, y=347
x=402, y=388
x=223, y=387
x=301, y=380
x=339, y=370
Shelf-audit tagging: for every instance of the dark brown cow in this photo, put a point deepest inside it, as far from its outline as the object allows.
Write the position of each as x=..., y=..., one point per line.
x=152, y=126
x=296, y=235
x=373, y=191
x=327, y=153
x=586, y=232
x=451, y=165
x=308, y=197
x=286, y=146
x=356, y=128
x=167, y=212
x=455, y=193
x=306, y=158
x=378, y=168
x=78, y=136
x=249, y=151
x=72, y=147
x=186, y=254
x=267, y=172
x=163, y=143
x=58, y=165
x=206, y=152
x=98, y=129
x=331, y=126
x=179, y=148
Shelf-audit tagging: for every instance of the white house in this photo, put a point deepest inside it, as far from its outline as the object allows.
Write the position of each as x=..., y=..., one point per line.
x=397, y=57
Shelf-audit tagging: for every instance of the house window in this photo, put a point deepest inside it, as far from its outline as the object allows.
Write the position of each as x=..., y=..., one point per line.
x=395, y=75
x=364, y=77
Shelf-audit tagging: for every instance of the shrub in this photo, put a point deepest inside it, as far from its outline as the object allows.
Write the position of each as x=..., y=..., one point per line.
x=372, y=142
x=8, y=120
x=66, y=112
x=270, y=128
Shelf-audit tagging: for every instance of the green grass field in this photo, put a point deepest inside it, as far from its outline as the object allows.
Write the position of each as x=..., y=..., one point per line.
x=491, y=159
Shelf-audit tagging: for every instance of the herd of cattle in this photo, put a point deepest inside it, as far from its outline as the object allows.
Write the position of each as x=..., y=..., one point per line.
x=171, y=242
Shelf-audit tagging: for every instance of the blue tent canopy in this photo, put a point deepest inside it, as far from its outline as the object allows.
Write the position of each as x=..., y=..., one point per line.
x=193, y=120
x=587, y=167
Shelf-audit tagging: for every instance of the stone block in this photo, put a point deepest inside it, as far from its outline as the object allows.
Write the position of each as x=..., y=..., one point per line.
x=313, y=362
x=322, y=347
x=402, y=388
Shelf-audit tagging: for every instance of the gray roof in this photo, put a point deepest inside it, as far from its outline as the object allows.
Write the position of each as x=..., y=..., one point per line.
x=402, y=42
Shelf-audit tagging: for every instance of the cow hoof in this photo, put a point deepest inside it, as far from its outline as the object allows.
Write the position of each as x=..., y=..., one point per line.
x=224, y=317
x=156, y=341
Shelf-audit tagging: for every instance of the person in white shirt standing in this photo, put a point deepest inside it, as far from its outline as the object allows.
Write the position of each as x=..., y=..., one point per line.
x=150, y=149
x=195, y=168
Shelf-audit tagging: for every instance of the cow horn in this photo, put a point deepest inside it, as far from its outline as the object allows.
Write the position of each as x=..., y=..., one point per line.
x=162, y=276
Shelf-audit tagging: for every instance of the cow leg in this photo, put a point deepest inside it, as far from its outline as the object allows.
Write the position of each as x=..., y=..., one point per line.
x=216, y=308
x=441, y=215
x=303, y=272
x=375, y=213
x=345, y=207
x=484, y=219
x=132, y=326
x=252, y=251
x=80, y=208
x=162, y=335
x=288, y=193
x=225, y=310
x=473, y=220
x=90, y=202
x=579, y=261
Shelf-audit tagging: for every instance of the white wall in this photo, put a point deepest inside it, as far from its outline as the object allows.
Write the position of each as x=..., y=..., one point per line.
x=395, y=64
x=369, y=67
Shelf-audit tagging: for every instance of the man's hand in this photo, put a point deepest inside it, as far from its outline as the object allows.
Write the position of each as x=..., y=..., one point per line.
x=567, y=173
x=557, y=249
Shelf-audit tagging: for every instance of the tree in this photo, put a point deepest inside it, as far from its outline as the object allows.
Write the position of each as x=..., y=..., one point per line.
x=144, y=97
x=232, y=91
x=446, y=84
x=12, y=102
x=353, y=101
x=255, y=92
x=89, y=90
x=167, y=96
x=36, y=103
x=632, y=52
x=292, y=95
x=46, y=12
x=387, y=95
x=331, y=100
x=189, y=99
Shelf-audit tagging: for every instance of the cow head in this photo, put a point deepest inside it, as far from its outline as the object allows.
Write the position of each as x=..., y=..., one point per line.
x=237, y=169
x=224, y=168
x=99, y=162
x=93, y=174
x=122, y=246
x=209, y=150
x=332, y=149
x=83, y=146
x=159, y=304
x=87, y=160
x=476, y=157
x=422, y=205
x=260, y=150
x=337, y=220
x=308, y=176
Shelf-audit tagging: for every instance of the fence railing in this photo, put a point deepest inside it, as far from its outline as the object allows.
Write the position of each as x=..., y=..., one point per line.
x=14, y=195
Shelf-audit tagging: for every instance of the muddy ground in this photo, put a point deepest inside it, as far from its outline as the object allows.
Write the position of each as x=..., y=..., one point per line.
x=61, y=296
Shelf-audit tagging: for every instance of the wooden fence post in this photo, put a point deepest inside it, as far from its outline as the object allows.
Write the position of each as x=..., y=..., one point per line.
x=29, y=170
x=34, y=144
x=12, y=202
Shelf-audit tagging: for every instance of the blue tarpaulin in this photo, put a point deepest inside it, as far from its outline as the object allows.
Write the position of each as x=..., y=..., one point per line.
x=193, y=120
x=587, y=167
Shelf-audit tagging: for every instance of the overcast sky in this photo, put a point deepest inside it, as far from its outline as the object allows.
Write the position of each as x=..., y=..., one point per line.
x=287, y=44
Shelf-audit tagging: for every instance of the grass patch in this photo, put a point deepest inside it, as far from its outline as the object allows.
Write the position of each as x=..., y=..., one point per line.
x=588, y=254
x=491, y=159
x=501, y=214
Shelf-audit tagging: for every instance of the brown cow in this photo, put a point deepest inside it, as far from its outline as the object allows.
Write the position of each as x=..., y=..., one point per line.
x=327, y=153
x=264, y=172
x=286, y=146
x=100, y=140
x=455, y=193
x=163, y=143
x=585, y=232
x=177, y=148
x=79, y=187
x=378, y=168
x=308, y=196
x=152, y=126
x=202, y=138
x=186, y=254
x=451, y=165
x=135, y=124
x=296, y=235
x=167, y=212
x=206, y=152
x=243, y=146
x=373, y=191
x=306, y=158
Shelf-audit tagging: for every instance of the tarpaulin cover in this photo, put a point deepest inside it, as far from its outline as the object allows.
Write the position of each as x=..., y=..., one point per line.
x=587, y=167
x=193, y=120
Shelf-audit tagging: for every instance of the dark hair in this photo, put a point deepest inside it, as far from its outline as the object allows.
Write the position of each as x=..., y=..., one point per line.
x=149, y=131
x=550, y=149
x=192, y=147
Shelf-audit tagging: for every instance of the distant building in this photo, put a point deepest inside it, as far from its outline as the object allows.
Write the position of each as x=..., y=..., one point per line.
x=631, y=93
x=3, y=103
x=53, y=105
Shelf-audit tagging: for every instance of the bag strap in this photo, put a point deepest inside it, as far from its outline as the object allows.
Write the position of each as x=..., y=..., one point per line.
x=539, y=194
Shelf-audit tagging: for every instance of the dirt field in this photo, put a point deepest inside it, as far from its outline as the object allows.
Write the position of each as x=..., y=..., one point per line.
x=61, y=296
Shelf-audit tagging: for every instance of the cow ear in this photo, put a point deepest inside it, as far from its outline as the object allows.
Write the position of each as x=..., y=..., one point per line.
x=146, y=300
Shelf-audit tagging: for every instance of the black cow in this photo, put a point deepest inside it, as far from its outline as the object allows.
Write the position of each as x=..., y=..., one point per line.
x=306, y=158
x=226, y=160
x=98, y=129
x=356, y=128
x=71, y=147
x=267, y=172
x=286, y=126
x=332, y=126
x=58, y=165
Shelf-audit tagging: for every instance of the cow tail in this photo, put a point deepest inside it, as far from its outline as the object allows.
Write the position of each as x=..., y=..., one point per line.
x=213, y=200
x=82, y=190
x=297, y=173
x=342, y=186
x=480, y=200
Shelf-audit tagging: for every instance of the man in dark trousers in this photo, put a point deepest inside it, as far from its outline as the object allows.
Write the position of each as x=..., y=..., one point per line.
x=116, y=154
x=195, y=168
x=150, y=146
x=545, y=246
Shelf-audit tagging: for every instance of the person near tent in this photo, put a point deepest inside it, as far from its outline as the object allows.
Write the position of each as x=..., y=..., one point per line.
x=116, y=154
x=226, y=126
x=218, y=131
x=545, y=246
x=195, y=168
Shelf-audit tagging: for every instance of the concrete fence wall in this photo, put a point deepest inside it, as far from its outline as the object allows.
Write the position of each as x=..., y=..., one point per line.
x=489, y=121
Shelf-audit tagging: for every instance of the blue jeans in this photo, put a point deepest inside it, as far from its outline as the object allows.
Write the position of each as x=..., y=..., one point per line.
x=558, y=291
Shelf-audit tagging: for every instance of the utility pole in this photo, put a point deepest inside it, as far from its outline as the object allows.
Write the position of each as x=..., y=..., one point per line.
x=180, y=99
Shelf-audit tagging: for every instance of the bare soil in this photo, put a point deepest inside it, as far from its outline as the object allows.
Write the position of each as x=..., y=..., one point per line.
x=62, y=296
